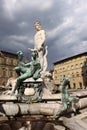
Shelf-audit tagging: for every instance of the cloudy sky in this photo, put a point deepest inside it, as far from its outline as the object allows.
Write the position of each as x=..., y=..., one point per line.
x=65, y=23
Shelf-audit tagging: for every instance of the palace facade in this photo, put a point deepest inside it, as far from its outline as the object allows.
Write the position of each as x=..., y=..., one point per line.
x=74, y=67
x=7, y=63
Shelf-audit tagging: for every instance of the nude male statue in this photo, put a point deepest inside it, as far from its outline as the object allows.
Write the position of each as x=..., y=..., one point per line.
x=39, y=41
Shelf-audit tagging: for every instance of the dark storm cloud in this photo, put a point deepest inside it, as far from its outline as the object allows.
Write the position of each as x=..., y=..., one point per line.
x=65, y=23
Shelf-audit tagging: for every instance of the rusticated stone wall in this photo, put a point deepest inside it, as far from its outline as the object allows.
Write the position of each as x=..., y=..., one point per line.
x=7, y=63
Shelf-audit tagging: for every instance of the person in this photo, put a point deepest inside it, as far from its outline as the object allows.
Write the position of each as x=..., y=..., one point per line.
x=31, y=69
x=39, y=41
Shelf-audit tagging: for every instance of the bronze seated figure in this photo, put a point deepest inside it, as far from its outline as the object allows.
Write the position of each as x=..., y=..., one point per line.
x=25, y=71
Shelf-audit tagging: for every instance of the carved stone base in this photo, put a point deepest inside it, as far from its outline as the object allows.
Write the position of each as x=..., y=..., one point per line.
x=30, y=91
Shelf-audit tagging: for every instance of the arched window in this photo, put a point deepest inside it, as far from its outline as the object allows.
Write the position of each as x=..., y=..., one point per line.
x=3, y=72
x=11, y=74
x=72, y=67
x=11, y=61
x=72, y=75
x=76, y=65
x=4, y=60
x=81, y=64
x=77, y=73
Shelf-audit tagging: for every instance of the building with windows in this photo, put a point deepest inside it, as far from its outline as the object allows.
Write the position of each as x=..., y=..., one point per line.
x=7, y=63
x=74, y=67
